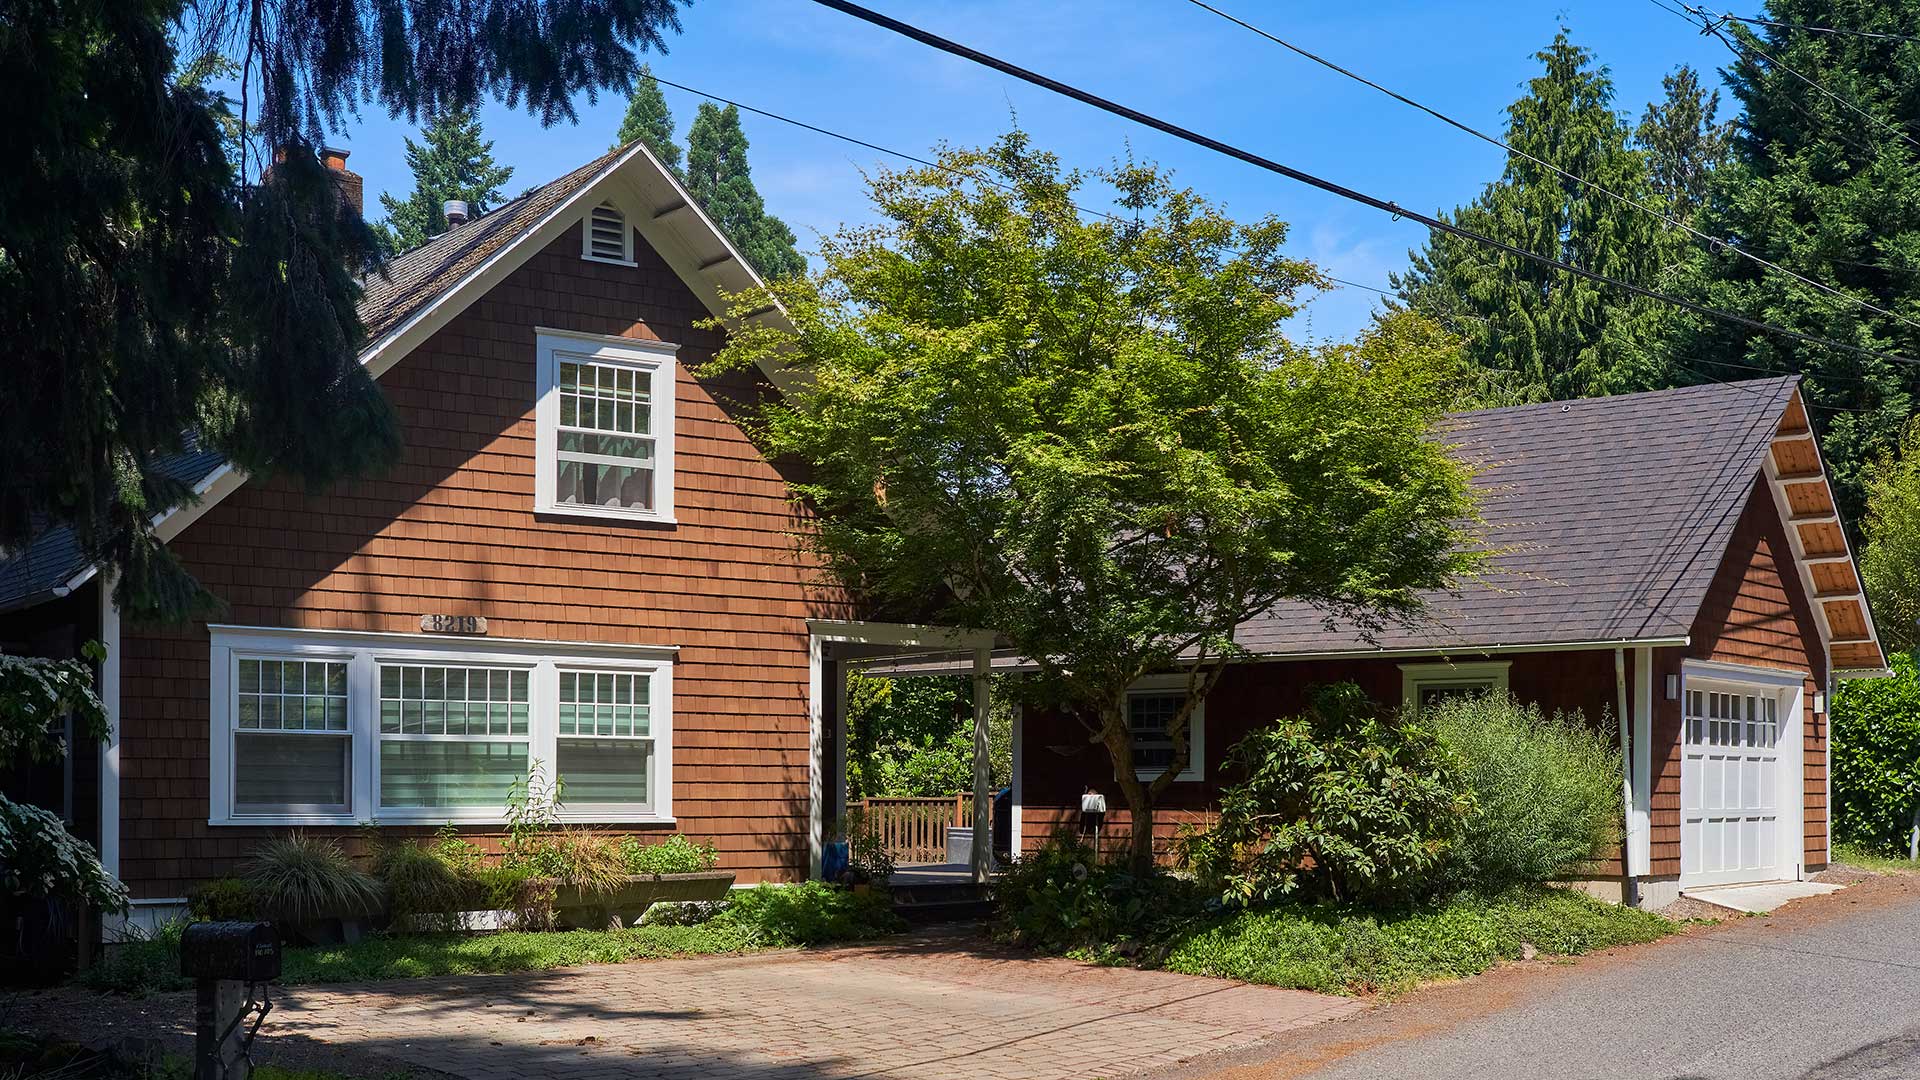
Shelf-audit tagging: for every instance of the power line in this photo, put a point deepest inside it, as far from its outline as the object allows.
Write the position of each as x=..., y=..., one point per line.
x=1709, y=24
x=1668, y=219
x=956, y=49
x=1834, y=30
x=967, y=174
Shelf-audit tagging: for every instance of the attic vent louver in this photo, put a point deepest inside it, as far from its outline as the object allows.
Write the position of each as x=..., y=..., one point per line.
x=607, y=235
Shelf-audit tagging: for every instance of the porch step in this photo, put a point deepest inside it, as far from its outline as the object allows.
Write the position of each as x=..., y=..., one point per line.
x=944, y=902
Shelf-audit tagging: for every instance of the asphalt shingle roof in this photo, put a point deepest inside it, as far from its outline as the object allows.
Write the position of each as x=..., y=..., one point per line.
x=1610, y=516
x=409, y=284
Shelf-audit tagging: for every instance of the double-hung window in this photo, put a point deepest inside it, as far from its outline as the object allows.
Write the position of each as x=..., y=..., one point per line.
x=604, y=427
x=326, y=727
x=1153, y=704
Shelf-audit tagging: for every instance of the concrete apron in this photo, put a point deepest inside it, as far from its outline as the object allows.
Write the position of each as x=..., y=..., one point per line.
x=1761, y=898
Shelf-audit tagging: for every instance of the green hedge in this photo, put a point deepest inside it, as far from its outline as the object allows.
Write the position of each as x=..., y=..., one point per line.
x=1875, y=740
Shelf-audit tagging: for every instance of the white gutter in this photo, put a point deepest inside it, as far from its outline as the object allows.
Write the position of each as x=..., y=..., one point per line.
x=110, y=752
x=1630, y=883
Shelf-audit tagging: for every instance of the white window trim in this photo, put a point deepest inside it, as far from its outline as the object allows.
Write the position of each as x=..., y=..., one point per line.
x=626, y=246
x=1196, y=769
x=656, y=359
x=364, y=652
x=1416, y=677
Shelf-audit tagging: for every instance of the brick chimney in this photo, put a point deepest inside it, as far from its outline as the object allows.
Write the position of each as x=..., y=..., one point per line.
x=351, y=186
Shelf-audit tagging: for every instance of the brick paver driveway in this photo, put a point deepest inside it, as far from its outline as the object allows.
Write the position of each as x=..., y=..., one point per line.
x=934, y=1005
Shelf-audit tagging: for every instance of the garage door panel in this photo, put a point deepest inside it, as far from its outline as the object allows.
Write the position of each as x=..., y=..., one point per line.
x=1730, y=783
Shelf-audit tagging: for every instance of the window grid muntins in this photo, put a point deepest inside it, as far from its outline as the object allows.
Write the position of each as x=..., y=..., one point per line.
x=291, y=696
x=604, y=444
x=466, y=701
x=605, y=704
x=1725, y=719
x=1147, y=718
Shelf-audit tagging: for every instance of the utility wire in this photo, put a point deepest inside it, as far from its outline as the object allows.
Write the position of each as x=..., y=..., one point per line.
x=1710, y=24
x=1671, y=221
x=1834, y=30
x=1125, y=112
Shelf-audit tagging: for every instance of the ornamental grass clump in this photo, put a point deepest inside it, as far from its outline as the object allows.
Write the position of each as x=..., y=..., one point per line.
x=1546, y=790
x=299, y=877
x=419, y=882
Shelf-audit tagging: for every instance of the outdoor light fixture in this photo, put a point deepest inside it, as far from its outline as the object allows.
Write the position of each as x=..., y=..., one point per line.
x=1673, y=687
x=1819, y=704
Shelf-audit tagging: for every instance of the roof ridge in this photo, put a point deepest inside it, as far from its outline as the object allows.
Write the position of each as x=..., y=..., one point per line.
x=1748, y=386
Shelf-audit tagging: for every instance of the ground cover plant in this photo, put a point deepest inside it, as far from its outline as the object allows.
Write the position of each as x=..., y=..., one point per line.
x=765, y=917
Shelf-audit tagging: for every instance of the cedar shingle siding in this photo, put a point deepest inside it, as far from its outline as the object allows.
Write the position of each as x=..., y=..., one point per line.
x=451, y=530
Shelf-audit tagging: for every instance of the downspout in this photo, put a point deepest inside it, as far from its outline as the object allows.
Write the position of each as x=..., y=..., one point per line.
x=1630, y=885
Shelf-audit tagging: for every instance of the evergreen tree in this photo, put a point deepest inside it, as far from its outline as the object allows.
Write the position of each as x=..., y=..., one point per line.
x=648, y=118
x=160, y=290
x=1683, y=143
x=453, y=163
x=719, y=179
x=1542, y=334
x=1834, y=196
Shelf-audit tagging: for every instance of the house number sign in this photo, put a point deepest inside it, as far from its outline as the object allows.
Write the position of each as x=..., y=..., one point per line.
x=453, y=624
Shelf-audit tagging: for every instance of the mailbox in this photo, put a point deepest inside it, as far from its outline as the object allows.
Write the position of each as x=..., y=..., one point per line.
x=247, y=952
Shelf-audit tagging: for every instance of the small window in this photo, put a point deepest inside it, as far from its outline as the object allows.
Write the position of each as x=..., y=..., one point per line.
x=605, y=428
x=605, y=236
x=1426, y=684
x=1152, y=705
x=291, y=746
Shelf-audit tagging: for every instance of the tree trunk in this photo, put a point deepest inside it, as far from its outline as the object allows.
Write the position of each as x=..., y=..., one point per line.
x=1119, y=743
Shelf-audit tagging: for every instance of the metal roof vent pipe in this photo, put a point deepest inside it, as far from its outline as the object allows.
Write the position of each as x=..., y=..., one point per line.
x=455, y=211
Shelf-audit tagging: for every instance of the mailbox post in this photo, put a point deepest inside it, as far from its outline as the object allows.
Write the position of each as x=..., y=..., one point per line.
x=230, y=964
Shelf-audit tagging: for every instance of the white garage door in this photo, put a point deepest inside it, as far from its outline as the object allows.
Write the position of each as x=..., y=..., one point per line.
x=1732, y=793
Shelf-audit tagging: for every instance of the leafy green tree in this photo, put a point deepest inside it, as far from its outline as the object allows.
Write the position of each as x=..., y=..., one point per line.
x=1548, y=335
x=1093, y=437
x=649, y=119
x=1683, y=142
x=1876, y=758
x=719, y=179
x=1890, y=564
x=1834, y=196
x=914, y=736
x=452, y=162
x=157, y=291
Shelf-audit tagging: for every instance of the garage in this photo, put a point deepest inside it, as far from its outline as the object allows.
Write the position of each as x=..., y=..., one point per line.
x=1740, y=804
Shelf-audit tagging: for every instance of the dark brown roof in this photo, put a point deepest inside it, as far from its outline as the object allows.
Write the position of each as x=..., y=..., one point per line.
x=413, y=280
x=1611, y=516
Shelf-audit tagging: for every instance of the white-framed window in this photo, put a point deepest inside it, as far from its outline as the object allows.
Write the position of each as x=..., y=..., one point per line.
x=328, y=727
x=1152, y=703
x=1424, y=684
x=605, y=236
x=604, y=427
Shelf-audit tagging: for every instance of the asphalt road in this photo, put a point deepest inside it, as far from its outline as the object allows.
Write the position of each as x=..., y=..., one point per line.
x=1830, y=992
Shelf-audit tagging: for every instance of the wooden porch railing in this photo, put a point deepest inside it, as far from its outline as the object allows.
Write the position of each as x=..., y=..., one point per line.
x=914, y=830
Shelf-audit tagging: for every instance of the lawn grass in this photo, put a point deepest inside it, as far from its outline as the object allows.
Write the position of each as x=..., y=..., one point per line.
x=1862, y=859
x=1342, y=950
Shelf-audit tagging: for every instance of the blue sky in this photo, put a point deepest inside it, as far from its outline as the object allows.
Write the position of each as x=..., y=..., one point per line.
x=1165, y=57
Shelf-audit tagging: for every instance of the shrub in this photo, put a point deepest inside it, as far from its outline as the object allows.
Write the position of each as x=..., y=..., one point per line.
x=811, y=913
x=521, y=890
x=419, y=882
x=40, y=858
x=1061, y=898
x=1876, y=758
x=223, y=900
x=1546, y=789
x=674, y=855
x=463, y=855
x=1342, y=803
x=300, y=877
